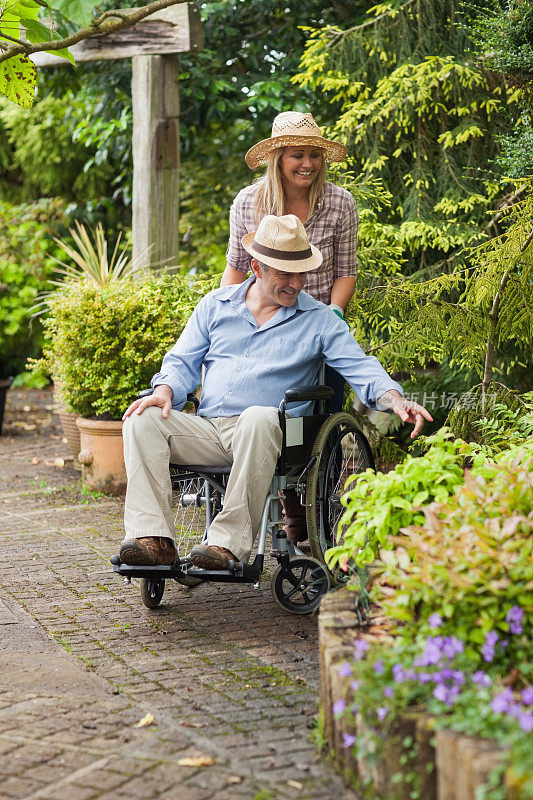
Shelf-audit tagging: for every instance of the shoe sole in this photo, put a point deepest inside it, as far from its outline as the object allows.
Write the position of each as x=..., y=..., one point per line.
x=133, y=556
x=207, y=562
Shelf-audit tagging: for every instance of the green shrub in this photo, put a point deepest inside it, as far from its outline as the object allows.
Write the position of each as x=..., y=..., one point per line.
x=471, y=559
x=103, y=345
x=379, y=504
x=26, y=233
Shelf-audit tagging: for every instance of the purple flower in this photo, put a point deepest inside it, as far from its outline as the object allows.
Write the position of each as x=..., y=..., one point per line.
x=446, y=694
x=388, y=691
x=425, y=677
x=410, y=675
x=360, y=648
x=354, y=686
x=432, y=651
x=435, y=621
x=458, y=677
x=345, y=670
x=487, y=649
x=527, y=696
x=339, y=706
x=525, y=720
x=355, y=709
x=378, y=666
x=382, y=712
x=503, y=702
x=398, y=673
x=514, y=617
x=348, y=740
x=440, y=692
x=452, y=646
x=504, y=643
x=481, y=678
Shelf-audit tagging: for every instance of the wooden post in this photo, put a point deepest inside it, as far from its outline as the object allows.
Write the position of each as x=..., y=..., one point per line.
x=156, y=107
x=152, y=45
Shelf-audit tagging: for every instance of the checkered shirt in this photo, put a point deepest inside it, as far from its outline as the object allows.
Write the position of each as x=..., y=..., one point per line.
x=332, y=228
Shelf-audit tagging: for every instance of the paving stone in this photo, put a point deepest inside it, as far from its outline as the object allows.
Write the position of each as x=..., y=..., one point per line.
x=224, y=672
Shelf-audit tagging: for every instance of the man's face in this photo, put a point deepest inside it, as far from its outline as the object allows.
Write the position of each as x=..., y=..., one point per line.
x=280, y=288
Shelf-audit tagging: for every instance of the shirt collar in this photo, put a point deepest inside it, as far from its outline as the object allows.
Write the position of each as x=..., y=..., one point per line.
x=236, y=295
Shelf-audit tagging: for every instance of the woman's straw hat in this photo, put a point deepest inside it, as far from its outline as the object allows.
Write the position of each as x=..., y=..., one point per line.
x=282, y=243
x=291, y=128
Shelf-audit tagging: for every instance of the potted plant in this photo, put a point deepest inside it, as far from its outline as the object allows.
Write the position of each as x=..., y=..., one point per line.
x=88, y=262
x=104, y=343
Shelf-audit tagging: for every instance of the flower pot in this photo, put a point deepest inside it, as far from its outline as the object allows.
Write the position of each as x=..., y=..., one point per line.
x=101, y=455
x=5, y=383
x=71, y=432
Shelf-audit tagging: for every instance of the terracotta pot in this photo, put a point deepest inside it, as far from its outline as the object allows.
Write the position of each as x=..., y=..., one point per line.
x=101, y=455
x=71, y=432
x=5, y=383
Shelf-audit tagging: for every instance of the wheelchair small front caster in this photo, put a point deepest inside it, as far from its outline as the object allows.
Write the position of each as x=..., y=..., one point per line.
x=152, y=591
x=300, y=587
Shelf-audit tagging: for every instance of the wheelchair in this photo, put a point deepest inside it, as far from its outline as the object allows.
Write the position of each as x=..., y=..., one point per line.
x=318, y=455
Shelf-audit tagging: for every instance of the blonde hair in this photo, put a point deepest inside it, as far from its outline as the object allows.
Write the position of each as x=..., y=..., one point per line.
x=270, y=198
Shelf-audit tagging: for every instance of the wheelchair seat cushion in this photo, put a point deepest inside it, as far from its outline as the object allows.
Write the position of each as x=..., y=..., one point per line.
x=202, y=468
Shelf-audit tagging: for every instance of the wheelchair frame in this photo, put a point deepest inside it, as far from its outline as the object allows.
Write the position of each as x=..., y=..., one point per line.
x=297, y=574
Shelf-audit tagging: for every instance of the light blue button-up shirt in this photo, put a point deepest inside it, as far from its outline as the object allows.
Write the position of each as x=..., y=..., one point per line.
x=247, y=365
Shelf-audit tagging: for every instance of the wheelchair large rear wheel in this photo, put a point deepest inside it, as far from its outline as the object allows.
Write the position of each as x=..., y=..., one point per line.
x=341, y=450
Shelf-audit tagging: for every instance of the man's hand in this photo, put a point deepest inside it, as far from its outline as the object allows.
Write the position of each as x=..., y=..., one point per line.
x=161, y=397
x=407, y=410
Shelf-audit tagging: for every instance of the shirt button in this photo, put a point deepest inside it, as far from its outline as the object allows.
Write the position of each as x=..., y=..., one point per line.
x=247, y=355
x=238, y=369
x=229, y=392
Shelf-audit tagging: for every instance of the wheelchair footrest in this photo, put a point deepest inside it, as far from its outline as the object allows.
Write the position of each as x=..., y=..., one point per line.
x=246, y=575
x=165, y=571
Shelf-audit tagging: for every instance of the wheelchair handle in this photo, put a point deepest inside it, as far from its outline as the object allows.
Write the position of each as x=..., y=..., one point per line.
x=190, y=397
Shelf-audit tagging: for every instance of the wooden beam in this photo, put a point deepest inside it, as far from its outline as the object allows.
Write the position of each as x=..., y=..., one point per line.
x=177, y=29
x=155, y=94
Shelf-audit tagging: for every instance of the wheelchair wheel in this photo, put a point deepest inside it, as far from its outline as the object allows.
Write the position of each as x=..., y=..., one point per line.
x=341, y=450
x=152, y=591
x=301, y=590
x=189, y=510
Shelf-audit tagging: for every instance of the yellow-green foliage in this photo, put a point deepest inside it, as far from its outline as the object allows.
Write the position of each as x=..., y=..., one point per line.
x=472, y=559
x=105, y=344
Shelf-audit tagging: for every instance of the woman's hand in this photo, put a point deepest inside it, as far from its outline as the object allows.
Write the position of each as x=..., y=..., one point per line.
x=160, y=397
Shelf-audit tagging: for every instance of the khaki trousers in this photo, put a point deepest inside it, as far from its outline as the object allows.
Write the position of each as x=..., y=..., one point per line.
x=251, y=442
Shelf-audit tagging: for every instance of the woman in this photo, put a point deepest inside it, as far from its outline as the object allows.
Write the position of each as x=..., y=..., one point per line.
x=295, y=183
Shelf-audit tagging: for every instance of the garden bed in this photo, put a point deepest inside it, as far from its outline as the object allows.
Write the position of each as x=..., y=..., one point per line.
x=415, y=761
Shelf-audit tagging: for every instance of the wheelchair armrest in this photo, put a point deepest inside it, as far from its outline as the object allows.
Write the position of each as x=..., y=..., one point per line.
x=191, y=397
x=308, y=393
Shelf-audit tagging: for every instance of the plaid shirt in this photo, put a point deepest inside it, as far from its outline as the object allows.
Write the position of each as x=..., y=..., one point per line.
x=332, y=228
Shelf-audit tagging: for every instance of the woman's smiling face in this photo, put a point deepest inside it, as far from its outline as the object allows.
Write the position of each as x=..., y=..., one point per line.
x=300, y=165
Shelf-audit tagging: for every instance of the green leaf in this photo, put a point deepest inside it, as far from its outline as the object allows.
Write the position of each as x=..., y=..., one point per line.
x=36, y=31
x=80, y=11
x=17, y=80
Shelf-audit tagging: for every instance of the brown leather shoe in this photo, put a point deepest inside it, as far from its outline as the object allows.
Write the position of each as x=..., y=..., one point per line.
x=211, y=556
x=149, y=551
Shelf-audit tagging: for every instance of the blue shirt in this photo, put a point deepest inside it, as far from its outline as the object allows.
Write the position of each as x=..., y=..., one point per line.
x=247, y=365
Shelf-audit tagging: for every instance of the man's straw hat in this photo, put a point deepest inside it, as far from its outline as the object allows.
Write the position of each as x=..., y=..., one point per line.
x=291, y=128
x=282, y=243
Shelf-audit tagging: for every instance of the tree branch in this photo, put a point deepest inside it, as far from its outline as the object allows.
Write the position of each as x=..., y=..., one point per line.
x=97, y=27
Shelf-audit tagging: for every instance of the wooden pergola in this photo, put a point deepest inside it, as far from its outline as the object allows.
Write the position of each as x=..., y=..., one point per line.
x=153, y=46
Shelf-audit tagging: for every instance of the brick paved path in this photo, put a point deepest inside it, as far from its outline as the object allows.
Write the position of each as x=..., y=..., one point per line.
x=226, y=675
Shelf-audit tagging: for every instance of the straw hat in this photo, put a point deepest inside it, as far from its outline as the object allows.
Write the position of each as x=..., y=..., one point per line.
x=291, y=128
x=282, y=243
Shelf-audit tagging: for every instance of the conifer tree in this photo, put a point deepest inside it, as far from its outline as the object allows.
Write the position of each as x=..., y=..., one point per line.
x=419, y=109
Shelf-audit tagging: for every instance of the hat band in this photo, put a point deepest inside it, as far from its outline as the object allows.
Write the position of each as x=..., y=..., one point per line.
x=284, y=255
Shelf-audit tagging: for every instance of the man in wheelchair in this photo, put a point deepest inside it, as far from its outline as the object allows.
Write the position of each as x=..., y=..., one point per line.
x=253, y=341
